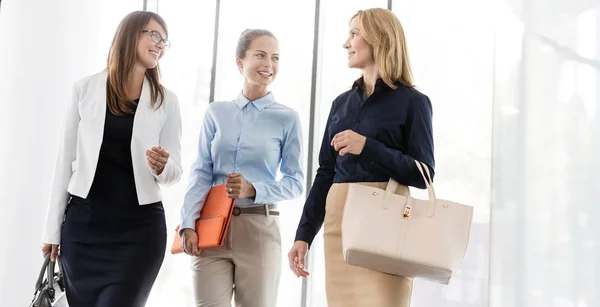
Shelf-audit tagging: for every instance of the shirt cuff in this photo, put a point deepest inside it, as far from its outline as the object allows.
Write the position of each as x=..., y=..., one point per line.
x=302, y=235
x=371, y=149
x=162, y=175
x=52, y=238
x=187, y=223
x=260, y=190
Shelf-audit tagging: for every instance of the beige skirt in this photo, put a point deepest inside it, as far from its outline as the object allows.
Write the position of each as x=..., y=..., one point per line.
x=348, y=285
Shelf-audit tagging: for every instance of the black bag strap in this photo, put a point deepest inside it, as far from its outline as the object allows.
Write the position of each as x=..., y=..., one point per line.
x=48, y=270
x=50, y=274
x=60, y=266
x=40, y=279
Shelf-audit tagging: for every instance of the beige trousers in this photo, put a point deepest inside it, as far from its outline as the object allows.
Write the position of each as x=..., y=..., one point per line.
x=247, y=265
x=353, y=286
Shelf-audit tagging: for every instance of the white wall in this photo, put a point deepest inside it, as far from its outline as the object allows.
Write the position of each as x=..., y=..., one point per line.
x=44, y=47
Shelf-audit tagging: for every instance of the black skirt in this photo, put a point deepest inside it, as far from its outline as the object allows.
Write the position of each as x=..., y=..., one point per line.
x=111, y=252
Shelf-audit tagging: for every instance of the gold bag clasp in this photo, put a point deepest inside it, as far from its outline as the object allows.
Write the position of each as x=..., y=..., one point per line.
x=407, y=212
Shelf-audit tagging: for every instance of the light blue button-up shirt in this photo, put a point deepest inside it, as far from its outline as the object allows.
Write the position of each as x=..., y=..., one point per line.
x=254, y=138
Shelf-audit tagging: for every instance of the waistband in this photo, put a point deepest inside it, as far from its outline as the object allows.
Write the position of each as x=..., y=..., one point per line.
x=266, y=210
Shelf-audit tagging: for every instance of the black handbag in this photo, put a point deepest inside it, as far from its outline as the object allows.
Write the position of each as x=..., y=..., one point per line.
x=50, y=291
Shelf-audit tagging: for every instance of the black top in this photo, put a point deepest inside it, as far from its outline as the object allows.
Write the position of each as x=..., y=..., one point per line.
x=114, y=182
x=397, y=124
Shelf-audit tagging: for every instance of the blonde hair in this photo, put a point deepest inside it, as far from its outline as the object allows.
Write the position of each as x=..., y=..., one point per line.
x=382, y=30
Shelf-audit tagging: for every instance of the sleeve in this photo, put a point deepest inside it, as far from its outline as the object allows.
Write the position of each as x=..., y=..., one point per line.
x=313, y=213
x=401, y=165
x=201, y=175
x=67, y=150
x=170, y=140
x=291, y=184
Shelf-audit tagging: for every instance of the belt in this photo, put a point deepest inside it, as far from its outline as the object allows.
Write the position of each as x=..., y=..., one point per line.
x=254, y=210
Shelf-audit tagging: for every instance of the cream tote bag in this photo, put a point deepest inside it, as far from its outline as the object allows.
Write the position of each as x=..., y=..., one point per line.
x=404, y=236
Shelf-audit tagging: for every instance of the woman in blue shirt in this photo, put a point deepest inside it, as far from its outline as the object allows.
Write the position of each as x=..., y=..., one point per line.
x=375, y=131
x=243, y=143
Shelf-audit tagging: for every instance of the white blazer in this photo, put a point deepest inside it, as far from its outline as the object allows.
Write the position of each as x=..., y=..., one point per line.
x=81, y=139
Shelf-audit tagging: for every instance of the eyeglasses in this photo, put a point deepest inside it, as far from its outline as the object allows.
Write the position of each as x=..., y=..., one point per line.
x=157, y=38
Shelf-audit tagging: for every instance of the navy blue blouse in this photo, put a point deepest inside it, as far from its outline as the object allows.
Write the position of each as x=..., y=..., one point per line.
x=397, y=125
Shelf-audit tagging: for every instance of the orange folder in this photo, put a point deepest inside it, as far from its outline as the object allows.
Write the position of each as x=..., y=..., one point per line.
x=213, y=223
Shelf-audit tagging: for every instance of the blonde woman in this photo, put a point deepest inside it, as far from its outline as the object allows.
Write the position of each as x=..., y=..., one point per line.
x=374, y=131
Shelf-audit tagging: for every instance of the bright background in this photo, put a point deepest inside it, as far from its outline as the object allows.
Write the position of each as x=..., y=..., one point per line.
x=514, y=86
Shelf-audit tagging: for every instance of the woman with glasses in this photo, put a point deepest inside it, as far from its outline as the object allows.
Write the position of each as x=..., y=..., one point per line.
x=121, y=139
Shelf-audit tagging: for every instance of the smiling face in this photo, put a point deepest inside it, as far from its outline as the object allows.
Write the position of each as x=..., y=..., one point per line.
x=260, y=62
x=360, y=53
x=148, y=51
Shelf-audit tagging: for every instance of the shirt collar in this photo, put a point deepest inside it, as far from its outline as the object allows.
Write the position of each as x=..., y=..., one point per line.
x=259, y=103
x=379, y=85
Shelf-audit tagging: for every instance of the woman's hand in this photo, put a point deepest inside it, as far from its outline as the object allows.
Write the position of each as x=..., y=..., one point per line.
x=52, y=249
x=348, y=142
x=238, y=187
x=189, y=242
x=296, y=258
x=157, y=158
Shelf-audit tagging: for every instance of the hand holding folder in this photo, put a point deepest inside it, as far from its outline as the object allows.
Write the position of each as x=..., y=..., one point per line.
x=213, y=223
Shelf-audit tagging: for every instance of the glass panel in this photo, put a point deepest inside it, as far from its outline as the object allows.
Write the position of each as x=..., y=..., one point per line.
x=102, y=19
x=186, y=69
x=452, y=62
x=293, y=25
x=333, y=78
x=152, y=5
x=545, y=248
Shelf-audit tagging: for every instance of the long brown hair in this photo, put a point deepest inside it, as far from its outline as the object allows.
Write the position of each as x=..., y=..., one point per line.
x=382, y=30
x=121, y=60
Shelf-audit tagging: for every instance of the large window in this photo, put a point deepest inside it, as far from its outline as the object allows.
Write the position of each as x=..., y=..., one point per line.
x=515, y=87
x=545, y=247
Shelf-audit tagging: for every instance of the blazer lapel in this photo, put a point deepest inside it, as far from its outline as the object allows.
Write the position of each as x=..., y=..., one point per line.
x=99, y=114
x=143, y=105
x=101, y=103
x=145, y=95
